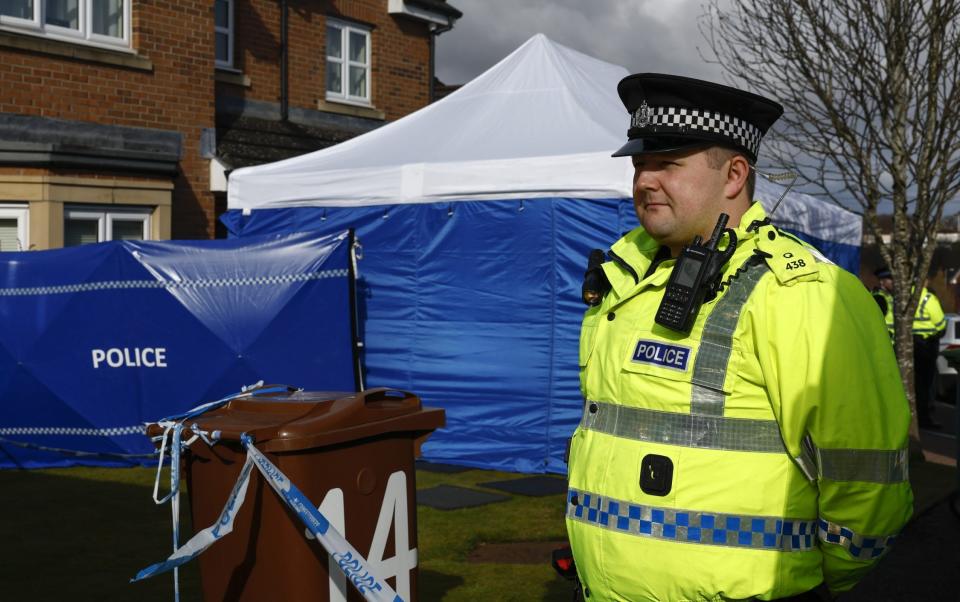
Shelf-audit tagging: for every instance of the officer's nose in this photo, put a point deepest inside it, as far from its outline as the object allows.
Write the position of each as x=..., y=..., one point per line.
x=644, y=179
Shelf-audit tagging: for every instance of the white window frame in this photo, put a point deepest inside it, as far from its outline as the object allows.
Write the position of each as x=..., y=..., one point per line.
x=84, y=35
x=128, y=216
x=21, y=213
x=229, y=30
x=345, y=62
x=85, y=215
x=106, y=217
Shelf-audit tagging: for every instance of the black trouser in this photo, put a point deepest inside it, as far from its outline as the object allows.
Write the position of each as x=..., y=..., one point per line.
x=925, y=351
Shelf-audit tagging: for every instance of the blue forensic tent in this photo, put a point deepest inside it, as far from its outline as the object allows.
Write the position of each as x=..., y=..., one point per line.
x=476, y=215
x=98, y=339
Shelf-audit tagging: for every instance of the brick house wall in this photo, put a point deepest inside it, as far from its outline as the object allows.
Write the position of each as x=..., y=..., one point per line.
x=166, y=85
x=161, y=111
x=400, y=53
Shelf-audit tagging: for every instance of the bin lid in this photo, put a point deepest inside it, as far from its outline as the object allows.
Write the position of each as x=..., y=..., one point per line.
x=301, y=420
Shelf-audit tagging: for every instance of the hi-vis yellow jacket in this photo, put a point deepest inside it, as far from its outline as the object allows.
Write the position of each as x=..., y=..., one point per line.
x=781, y=413
x=929, y=320
x=888, y=314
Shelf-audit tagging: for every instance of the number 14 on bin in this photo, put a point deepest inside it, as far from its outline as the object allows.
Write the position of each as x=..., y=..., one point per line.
x=393, y=513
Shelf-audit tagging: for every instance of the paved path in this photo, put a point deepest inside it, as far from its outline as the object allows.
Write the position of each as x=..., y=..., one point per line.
x=923, y=566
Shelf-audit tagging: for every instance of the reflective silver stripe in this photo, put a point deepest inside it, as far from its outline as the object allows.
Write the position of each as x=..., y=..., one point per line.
x=770, y=533
x=869, y=465
x=716, y=342
x=923, y=307
x=807, y=460
x=863, y=547
x=685, y=430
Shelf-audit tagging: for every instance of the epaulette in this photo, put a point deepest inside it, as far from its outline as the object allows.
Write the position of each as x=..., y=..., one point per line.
x=789, y=258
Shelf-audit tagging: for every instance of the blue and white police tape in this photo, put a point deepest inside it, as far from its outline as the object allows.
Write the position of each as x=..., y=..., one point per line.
x=350, y=561
x=207, y=537
x=173, y=428
x=76, y=452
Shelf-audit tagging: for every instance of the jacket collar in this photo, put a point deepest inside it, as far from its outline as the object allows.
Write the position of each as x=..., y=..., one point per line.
x=638, y=250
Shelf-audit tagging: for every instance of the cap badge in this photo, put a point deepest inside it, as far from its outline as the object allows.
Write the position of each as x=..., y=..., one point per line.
x=641, y=117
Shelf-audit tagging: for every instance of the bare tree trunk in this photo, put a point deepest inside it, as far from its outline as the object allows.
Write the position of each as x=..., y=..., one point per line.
x=872, y=97
x=903, y=331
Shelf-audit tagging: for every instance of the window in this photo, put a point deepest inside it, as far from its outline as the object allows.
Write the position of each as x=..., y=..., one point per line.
x=13, y=227
x=83, y=225
x=348, y=63
x=97, y=22
x=223, y=28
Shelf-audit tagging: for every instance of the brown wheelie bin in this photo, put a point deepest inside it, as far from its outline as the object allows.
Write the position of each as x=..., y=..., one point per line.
x=351, y=454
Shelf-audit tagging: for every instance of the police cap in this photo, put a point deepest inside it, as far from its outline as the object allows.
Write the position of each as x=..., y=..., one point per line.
x=883, y=272
x=669, y=112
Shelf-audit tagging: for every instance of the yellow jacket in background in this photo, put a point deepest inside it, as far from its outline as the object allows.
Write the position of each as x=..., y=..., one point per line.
x=929, y=320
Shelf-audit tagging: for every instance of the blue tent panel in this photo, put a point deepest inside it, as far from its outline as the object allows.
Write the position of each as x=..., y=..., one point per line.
x=475, y=306
x=96, y=340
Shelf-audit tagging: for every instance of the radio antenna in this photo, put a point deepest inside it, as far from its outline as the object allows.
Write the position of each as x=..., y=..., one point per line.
x=776, y=178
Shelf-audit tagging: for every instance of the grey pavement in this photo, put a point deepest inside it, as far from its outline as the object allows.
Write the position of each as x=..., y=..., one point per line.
x=924, y=564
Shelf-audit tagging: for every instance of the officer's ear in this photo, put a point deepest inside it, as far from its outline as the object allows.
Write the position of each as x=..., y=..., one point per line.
x=737, y=174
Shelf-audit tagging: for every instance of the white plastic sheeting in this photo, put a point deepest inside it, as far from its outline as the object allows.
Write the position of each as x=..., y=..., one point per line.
x=540, y=123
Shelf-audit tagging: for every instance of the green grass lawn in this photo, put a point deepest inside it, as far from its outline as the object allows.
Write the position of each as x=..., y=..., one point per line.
x=81, y=533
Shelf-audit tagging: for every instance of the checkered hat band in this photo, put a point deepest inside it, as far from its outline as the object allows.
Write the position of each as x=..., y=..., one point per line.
x=861, y=547
x=692, y=526
x=666, y=120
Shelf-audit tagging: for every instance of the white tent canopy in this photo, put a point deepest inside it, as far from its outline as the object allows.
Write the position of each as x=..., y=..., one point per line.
x=541, y=122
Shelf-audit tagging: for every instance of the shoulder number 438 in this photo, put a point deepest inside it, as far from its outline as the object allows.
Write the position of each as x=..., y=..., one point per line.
x=795, y=265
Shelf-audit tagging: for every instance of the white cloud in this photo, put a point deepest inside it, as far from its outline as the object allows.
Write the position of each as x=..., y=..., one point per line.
x=640, y=35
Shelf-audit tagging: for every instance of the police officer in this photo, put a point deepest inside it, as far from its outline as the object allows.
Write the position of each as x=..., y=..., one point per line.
x=762, y=453
x=883, y=295
x=929, y=324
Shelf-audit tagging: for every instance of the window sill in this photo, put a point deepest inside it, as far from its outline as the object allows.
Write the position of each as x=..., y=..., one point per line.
x=349, y=109
x=75, y=51
x=235, y=78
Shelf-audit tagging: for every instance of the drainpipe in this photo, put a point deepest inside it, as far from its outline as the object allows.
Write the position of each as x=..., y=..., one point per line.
x=435, y=30
x=284, y=102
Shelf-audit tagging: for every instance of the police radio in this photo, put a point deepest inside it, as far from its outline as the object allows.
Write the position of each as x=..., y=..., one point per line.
x=695, y=274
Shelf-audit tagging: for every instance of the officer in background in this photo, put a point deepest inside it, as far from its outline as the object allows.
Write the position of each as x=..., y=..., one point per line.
x=883, y=295
x=762, y=453
x=929, y=324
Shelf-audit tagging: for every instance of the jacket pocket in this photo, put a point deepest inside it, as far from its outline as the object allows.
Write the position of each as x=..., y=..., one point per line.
x=678, y=362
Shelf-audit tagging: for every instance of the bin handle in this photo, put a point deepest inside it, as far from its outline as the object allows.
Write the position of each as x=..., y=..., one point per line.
x=368, y=398
x=380, y=394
